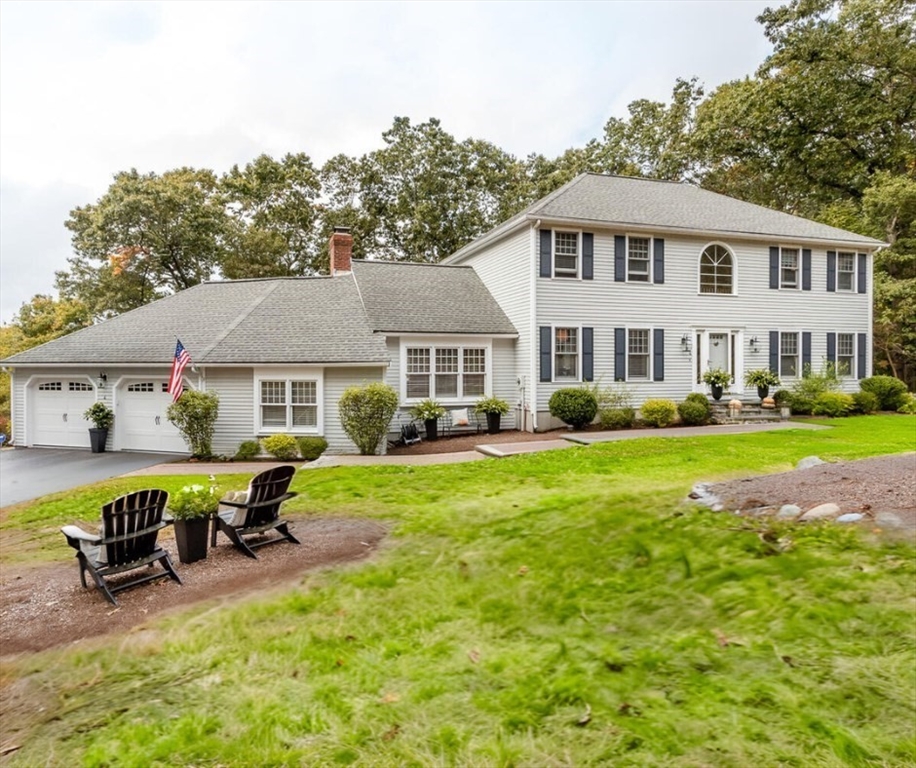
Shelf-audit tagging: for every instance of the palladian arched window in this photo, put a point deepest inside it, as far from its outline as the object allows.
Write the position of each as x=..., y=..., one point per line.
x=717, y=270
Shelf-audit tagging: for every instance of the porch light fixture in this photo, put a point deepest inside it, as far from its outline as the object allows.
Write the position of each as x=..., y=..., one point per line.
x=685, y=342
x=755, y=344
x=103, y=378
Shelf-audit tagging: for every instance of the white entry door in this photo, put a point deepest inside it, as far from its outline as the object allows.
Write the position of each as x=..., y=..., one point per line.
x=719, y=351
x=57, y=413
x=141, y=421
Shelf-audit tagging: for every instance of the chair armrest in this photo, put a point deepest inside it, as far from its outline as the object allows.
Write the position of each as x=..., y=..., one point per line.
x=268, y=502
x=74, y=532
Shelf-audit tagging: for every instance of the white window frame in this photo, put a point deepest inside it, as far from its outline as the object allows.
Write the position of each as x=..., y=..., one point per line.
x=566, y=274
x=650, y=334
x=850, y=272
x=577, y=375
x=798, y=355
x=649, y=259
x=459, y=344
x=289, y=375
x=848, y=373
x=731, y=253
x=798, y=265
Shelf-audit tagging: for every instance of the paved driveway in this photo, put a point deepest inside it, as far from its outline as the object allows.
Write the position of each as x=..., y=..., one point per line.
x=27, y=473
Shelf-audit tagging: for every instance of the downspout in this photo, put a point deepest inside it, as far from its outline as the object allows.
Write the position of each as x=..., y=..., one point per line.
x=535, y=338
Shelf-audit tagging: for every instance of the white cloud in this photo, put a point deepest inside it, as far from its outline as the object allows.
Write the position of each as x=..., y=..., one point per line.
x=89, y=89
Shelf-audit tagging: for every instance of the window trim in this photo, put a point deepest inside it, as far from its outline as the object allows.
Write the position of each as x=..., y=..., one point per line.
x=288, y=375
x=851, y=373
x=553, y=354
x=799, y=372
x=650, y=354
x=553, y=255
x=798, y=268
x=853, y=275
x=650, y=258
x=432, y=343
x=734, y=258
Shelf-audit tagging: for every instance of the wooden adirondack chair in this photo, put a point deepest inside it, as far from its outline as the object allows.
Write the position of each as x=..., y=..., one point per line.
x=257, y=511
x=126, y=541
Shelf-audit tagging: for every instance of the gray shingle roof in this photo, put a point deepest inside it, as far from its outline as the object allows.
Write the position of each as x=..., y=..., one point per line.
x=403, y=297
x=624, y=200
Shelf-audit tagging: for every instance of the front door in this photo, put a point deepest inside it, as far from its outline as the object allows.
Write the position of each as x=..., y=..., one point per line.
x=718, y=348
x=719, y=351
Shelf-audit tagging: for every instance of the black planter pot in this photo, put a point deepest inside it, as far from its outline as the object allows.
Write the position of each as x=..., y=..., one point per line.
x=493, y=423
x=97, y=440
x=717, y=390
x=763, y=392
x=432, y=429
x=191, y=538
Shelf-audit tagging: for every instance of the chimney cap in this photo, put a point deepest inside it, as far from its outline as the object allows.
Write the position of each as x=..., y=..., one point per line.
x=341, y=230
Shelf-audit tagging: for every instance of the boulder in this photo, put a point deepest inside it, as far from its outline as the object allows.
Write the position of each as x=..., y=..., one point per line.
x=788, y=512
x=821, y=512
x=850, y=517
x=808, y=462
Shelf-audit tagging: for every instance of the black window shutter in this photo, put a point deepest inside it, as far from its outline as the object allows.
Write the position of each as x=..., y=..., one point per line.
x=620, y=258
x=774, y=267
x=831, y=271
x=588, y=354
x=831, y=347
x=861, y=356
x=546, y=248
x=806, y=269
x=588, y=256
x=658, y=267
x=806, y=351
x=862, y=262
x=774, y=352
x=620, y=354
x=658, y=354
x=546, y=352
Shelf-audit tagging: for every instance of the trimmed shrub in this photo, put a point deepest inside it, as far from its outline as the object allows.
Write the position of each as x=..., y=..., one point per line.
x=281, y=447
x=194, y=415
x=782, y=397
x=694, y=414
x=658, y=413
x=891, y=392
x=248, y=449
x=909, y=405
x=312, y=447
x=574, y=406
x=832, y=404
x=806, y=390
x=617, y=418
x=366, y=412
x=865, y=402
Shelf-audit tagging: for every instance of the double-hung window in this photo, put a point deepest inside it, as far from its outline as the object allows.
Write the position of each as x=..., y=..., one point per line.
x=446, y=373
x=288, y=404
x=565, y=254
x=638, y=259
x=845, y=271
x=788, y=268
x=845, y=353
x=566, y=354
x=637, y=354
x=788, y=354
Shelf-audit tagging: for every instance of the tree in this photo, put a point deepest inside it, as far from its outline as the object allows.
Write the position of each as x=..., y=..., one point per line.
x=147, y=236
x=194, y=414
x=45, y=318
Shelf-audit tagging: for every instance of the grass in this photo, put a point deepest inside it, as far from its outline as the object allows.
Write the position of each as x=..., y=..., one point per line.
x=563, y=608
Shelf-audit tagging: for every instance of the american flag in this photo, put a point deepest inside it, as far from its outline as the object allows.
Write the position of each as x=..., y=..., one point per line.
x=181, y=361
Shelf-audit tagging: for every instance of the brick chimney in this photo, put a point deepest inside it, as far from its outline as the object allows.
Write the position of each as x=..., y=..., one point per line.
x=340, y=249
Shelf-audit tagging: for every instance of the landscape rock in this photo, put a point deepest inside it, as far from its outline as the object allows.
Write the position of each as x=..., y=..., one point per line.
x=888, y=520
x=808, y=462
x=788, y=511
x=850, y=517
x=820, y=512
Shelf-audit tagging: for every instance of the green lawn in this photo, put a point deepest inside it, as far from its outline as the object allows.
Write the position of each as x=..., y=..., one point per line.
x=557, y=609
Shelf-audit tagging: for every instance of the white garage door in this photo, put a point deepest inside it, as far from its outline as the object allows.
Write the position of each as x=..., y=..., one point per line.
x=57, y=413
x=141, y=419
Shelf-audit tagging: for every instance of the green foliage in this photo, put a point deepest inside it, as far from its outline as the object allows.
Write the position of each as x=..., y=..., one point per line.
x=248, y=449
x=782, y=397
x=805, y=391
x=864, y=402
x=194, y=501
x=658, y=412
x=492, y=405
x=695, y=410
x=617, y=418
x=101, y=416
x=194, y=415
x=576, y=406
x=891, y=392
x=366, y=412
x=427, y=410
x=833, y=404
x=717, y=377
x=761, y=377
x=311, y=447
x=909, y=405
x=281, y=447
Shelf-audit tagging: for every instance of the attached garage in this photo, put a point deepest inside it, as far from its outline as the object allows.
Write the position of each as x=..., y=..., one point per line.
x=57, y=408
x=140, y=420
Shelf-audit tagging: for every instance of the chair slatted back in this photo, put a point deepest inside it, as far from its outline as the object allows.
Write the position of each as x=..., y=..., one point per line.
x=128, y=515
x=270, y=484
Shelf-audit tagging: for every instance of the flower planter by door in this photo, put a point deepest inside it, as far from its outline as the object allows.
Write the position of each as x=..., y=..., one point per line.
x=432, y=429
x=493, y=423
x=191, y=538
x=763, y=392
x=717, y=390
x=97, y=440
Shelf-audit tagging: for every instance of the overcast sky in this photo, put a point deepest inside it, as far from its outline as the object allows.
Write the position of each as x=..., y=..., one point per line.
x=90, y=89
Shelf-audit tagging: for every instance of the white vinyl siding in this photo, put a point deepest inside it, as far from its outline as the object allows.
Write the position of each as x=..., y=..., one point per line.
x=236, y=422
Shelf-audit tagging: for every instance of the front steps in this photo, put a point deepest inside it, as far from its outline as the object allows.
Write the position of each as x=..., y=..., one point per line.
x=750, y=413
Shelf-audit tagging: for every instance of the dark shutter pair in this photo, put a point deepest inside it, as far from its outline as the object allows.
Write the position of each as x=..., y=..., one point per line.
x=620, y=259
x=588, y=353
x=620, y=354
x=546, y=254
x=805, y=268
x=861, y=344
x=861, y=276
x=805, y=351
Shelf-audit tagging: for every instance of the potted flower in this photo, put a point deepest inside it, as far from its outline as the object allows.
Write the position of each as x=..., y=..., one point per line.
x=494, y=408
x=429, y=412
x=102, y=417
x=718, y=379
x=763, y=379
x=191, y=509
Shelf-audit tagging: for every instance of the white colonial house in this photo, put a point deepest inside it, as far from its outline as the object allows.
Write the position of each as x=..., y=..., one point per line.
x=608, y=279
